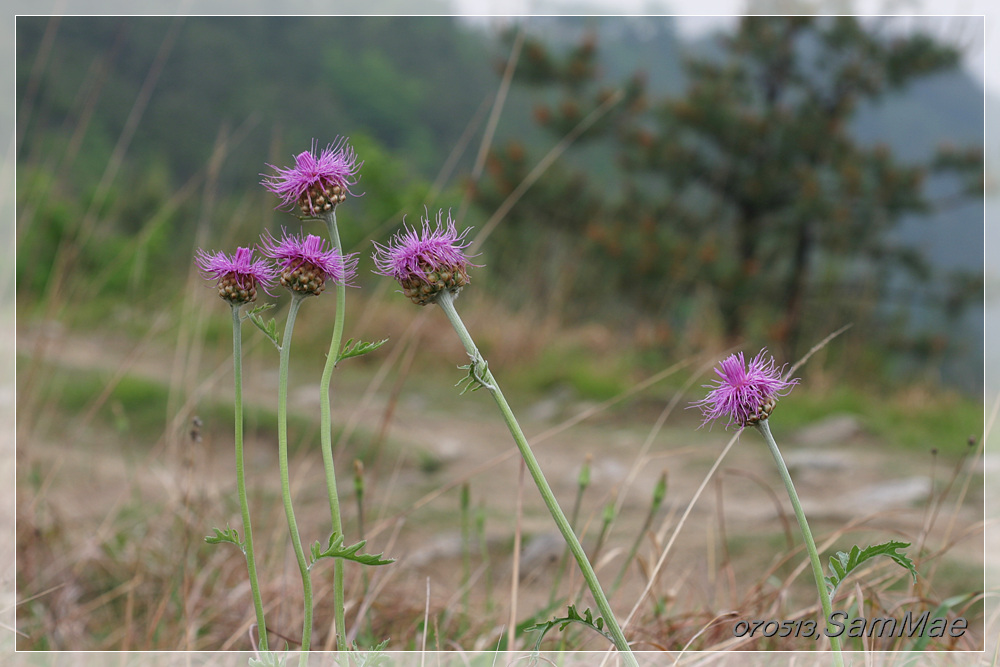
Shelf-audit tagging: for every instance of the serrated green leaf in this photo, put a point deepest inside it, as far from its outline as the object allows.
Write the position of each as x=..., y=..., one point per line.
x=260, y=308
x=268, y=659
x=357, y=657
x=336, y=549
x=229, y=535
x=842, y=564
x=270, y=328
x=562, y=622
x=352, y=349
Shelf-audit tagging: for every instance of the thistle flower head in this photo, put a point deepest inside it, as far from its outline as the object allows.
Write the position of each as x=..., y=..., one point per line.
x=316, y=184
x=745, y=393
x=305, y=264
x=236, y=276
x=426, y=262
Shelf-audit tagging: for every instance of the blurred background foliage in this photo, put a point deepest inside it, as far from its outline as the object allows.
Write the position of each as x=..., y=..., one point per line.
x=764, y=187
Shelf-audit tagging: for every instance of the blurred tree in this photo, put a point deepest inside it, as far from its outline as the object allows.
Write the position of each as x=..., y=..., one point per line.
x=750, y=185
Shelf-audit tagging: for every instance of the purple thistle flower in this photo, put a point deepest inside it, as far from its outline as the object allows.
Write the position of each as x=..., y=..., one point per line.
x=305, y=264
x=746, y=393
x=238, y=275
x=316, y=184
x=426, y=262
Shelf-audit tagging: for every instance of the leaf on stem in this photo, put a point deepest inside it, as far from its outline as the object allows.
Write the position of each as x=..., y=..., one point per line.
x=336, y=549
x=270, y=328
x=228, y=535
x=356, y=657
x=842, y=564
x=268, y=659
x=477, y=376
x=572, y=616
x=352, y=349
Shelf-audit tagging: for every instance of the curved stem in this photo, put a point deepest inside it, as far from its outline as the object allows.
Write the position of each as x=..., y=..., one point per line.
x=817, y=567
x=446, y=301
x=241, y=485
x=326, y=439
x=286, y=494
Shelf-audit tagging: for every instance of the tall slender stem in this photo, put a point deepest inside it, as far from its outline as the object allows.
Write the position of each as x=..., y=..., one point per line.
x=241, y=485
x=583, y=481
x=446, y=301
x=817, y=567
x=286, y=494
x=326, y=438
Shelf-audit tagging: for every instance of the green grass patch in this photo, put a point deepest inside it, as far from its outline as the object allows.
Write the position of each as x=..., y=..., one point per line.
x=913, y=420
x=590, y=377
x=137, y=406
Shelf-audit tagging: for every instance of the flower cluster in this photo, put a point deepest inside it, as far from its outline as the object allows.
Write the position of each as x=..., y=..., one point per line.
x=236, y=276
x=302, y=265
x=316, y=184
x=745, y=393
x=427, y=262
x=306, y=263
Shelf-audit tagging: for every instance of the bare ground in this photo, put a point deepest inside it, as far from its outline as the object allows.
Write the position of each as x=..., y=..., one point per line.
x=855, y=490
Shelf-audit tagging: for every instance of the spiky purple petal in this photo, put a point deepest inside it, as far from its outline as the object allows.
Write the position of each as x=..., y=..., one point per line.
x=336, y=165
x=742, y=389
x=293, y=251
x=241, y=265
x=412, y=255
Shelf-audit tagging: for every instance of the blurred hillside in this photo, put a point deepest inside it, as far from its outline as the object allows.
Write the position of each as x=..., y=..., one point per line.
x=139, y=138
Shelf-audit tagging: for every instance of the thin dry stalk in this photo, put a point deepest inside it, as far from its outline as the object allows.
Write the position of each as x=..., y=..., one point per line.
x=536, y=441
x=516, y=560
x=191, y=322
x=860, y=597
x=641, y=460
x=779, y=509
x=383, y=576
x=542, y=166
x=35, y=77
x=719, y=617
x=427, y=612
x=71, y=246
x=814, y=349
x=666, y=550
x=720, y=517
x=410, y=346
x=960, y=500
x=377, y=379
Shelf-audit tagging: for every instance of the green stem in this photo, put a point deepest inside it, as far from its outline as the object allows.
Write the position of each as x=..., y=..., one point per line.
x=583, y=481
x=286, y=494
x=326, y=438
x=446, y=301
x=817, y=567
x=241, y=485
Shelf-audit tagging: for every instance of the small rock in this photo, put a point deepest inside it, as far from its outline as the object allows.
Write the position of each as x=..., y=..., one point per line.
x=448, y=450
x=541, y=551
x=890, y=495
x=442, y=547
x=894, y=493
x=833, y=429
x=552, y=405
x=609, y=470
x=807, y=459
